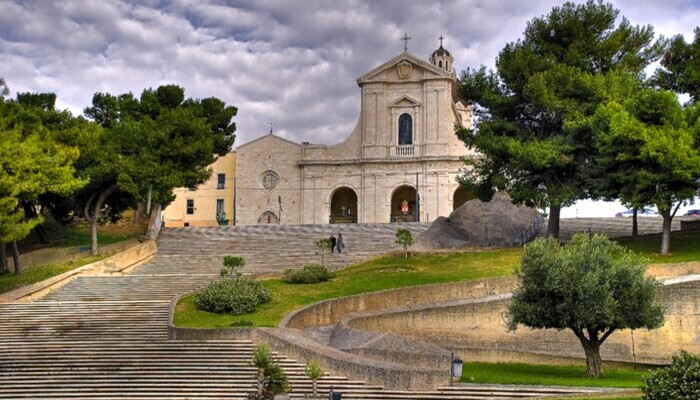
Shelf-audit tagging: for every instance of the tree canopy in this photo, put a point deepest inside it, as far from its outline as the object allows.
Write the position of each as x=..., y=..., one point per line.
x=155, y=143
x=592, y=286
x=527, y=132
x=681, y=67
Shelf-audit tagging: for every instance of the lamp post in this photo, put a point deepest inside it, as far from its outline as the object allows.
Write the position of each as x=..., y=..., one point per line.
x=417, y=201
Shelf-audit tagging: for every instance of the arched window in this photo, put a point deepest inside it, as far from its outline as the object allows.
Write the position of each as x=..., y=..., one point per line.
x=440, y=63
x=405, y=129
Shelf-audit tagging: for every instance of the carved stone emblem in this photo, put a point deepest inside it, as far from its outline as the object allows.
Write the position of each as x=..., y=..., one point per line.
x=404, y=68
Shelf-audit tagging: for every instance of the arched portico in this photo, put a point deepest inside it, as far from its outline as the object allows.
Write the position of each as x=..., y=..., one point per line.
x=403, y=204
x=268, y=217
x=343, y=206
x=461, y=196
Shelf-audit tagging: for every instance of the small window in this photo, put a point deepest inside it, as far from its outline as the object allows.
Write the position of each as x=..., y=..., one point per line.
x=219, y=206
x=190, y=206
x=221, y=184
x=440, y=63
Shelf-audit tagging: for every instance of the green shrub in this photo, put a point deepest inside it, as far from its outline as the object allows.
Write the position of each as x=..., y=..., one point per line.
x=308, y=274
x=232, y=296
x=679, y=381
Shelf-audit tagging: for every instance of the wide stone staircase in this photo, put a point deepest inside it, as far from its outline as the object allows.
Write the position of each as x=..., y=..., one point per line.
x=106, y=337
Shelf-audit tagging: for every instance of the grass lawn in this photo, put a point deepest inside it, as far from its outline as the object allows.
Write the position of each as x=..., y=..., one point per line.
x=32, y=275
x=685, y=246
x=379, y=274
x=395, y=272
x=615, y=375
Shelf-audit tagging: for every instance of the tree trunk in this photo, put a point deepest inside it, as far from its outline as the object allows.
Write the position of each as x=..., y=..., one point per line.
x=3, y=259
x=635, y=230
x=594, y=365
x=666, y=233
x=314, y=388
x=93, y=236
x=405, y=251
x=15, y=257
x=261, y=380
x=553, y=224
x=94, y=219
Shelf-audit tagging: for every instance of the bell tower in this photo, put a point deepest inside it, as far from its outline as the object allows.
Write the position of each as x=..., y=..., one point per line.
x=442, y=58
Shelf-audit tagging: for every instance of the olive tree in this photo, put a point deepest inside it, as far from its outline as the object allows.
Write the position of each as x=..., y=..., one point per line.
x=592, y=286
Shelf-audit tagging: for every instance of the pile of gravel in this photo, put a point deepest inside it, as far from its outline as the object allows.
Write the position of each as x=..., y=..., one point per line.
x=496, y=223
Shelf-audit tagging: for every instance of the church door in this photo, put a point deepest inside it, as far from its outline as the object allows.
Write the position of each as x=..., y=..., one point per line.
x=268, y=217
x=343, y=206
x=403, y=204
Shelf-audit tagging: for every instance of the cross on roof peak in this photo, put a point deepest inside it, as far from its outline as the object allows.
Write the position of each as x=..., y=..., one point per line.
x=441, y=40
x=405, y=39
x=271, y=125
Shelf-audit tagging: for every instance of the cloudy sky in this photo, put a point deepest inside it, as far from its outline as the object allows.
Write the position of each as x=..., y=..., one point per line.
x=290, y=62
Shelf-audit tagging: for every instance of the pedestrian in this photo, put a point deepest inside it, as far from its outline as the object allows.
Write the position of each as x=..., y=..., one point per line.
x=333, y=242
x=340, y=242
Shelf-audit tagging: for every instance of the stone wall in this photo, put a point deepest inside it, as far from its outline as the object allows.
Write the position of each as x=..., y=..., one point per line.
x=476, y=329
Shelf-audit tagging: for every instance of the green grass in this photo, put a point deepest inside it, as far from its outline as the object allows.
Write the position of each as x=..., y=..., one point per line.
x=32, y=275
x=685, y=246
x=617, y=375
x=380, y=274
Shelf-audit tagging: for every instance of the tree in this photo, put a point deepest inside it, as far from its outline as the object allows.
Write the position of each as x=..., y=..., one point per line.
x=323, y=244
x=404, y=238
x=527, y=145
x=681, y=67
x=156, y=143
x=232, y=265
x=592, y=286
x=313, y=371
x=679, y=381
x=648, y=150
x=262, y=359
x=34, y=162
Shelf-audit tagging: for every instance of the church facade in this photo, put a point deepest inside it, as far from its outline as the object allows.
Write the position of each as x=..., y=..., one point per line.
x=400, y=163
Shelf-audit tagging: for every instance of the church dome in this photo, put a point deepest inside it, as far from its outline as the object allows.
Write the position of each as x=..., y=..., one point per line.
x=442, y=58
x=441, y=52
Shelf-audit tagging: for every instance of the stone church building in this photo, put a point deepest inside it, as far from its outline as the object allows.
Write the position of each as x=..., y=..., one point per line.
x=400, y=163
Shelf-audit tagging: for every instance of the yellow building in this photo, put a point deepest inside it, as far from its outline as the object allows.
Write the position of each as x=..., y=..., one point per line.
x=215, y=197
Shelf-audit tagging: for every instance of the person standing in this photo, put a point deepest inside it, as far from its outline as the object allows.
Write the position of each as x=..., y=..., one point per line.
x=333, y=242
x=340, y=242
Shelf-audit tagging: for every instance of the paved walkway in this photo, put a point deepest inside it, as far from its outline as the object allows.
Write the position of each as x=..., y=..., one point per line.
x=105, y=337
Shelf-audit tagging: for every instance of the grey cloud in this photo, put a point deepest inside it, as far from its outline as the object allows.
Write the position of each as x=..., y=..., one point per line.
x=291, y=62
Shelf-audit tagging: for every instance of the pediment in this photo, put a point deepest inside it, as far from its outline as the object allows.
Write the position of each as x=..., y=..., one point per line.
x=270, y=140
x=405, y=66
x=405, y=101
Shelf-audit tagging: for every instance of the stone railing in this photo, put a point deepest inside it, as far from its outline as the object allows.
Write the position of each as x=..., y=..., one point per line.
x=342, y=219
x=404, y=150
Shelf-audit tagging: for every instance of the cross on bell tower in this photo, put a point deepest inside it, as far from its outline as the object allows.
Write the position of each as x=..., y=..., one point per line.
x=441, y=37
x=405, y=39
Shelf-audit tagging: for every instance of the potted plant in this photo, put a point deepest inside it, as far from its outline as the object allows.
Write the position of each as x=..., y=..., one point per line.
x=221, y=218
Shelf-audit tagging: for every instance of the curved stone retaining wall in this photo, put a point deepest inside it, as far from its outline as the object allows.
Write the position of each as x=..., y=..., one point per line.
x=476, y=329
x=329, y=312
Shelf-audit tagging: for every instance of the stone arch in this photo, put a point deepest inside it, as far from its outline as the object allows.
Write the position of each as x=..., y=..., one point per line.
x=461, y=196
x=268, y=217
x=343, y=205
x=398, y=212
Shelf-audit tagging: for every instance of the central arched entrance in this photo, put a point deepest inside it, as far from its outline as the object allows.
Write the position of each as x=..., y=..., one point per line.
x=268, y=217
x=343, y=206
x=403, y=204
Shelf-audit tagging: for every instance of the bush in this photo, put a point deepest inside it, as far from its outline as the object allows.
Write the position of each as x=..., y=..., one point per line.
x=679, y=381
x=232, y=296
x=308, y=274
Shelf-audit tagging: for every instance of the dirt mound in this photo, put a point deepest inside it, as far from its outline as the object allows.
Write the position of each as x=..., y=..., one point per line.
x=496, y=223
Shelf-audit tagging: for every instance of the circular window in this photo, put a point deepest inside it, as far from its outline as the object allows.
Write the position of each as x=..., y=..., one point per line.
x=269, y=180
